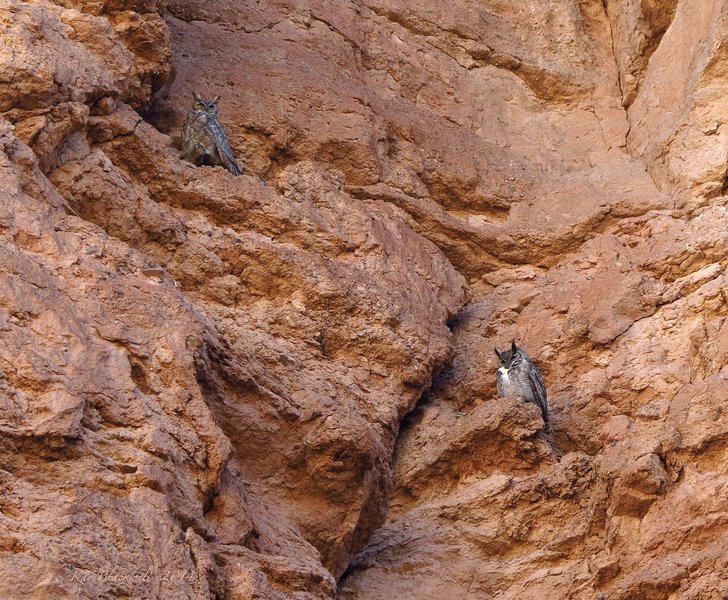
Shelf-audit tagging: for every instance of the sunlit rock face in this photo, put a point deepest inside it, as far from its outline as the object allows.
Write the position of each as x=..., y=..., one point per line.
x=282, y=385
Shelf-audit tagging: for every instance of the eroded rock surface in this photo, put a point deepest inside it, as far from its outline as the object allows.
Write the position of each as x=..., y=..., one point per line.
x=212, y=386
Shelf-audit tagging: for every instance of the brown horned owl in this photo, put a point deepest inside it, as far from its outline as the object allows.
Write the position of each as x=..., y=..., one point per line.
x=518, y=376
x=203, y=139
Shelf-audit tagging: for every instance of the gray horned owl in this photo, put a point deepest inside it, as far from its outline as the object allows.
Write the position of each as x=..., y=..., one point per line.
x=203, y=138
x=519, y=376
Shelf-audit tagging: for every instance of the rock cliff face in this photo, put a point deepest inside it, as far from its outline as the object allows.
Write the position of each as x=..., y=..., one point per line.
x=282, y=385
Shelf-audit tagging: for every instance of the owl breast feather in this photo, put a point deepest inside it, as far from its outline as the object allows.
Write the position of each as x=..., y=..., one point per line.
x=198, y=132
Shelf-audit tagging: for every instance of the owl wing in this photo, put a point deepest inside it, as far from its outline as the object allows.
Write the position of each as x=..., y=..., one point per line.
x=224, y=149
x=539, y=391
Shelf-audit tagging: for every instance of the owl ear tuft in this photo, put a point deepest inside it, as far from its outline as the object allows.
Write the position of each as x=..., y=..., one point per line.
x=514, y=348
x=498, y=354
x=197, y=97
x=216, y=99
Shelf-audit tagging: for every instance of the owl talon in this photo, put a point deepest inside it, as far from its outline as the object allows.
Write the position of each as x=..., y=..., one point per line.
x=195, y=155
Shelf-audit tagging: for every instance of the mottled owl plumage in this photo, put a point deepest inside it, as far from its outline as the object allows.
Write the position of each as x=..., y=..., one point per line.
x=519, y=376
x=203, y=138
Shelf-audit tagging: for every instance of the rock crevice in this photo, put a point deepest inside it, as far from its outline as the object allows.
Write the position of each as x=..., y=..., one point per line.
x=204, y=378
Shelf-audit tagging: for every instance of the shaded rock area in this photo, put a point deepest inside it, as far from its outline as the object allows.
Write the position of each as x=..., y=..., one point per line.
x=282, y=385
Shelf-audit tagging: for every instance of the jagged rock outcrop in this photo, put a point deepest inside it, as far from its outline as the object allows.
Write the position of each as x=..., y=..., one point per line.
x=212, y=386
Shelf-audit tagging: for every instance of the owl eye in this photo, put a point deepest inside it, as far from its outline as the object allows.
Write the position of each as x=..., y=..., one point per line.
x=199, y=105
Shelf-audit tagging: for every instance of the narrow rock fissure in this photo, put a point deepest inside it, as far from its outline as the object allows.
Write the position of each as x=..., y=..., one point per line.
x=620, y=82
x=407, y=424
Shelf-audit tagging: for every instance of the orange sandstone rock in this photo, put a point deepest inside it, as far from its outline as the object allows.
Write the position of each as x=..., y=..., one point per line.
x=282, y=385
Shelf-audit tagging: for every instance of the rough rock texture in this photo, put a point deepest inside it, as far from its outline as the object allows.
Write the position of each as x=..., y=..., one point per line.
x=282, y=385
x=676, y=118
